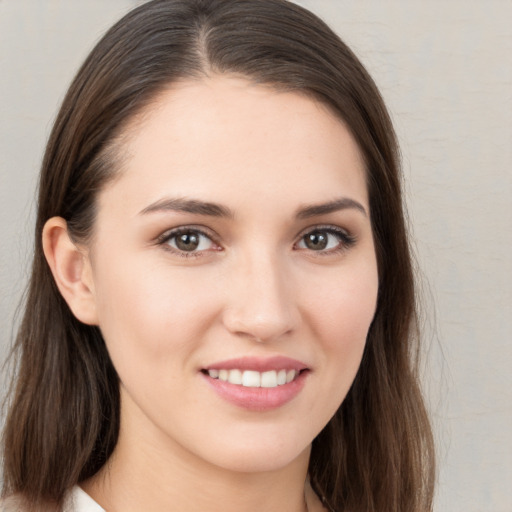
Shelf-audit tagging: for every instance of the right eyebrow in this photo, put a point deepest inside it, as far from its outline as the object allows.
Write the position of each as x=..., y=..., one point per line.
x=195, y=206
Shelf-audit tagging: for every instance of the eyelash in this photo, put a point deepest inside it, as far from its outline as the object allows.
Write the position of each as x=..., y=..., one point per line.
x=346, y=240
x=166, y=237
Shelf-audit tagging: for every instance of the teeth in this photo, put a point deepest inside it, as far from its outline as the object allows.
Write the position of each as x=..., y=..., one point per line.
x=269, y=379
x=235, y=377
x=253, y=379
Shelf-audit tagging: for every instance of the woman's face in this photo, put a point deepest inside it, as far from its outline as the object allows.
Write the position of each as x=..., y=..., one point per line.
x=233, y=272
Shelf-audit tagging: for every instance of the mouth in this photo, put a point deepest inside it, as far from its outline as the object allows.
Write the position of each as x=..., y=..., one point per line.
x=253, y=378
x=257, y=384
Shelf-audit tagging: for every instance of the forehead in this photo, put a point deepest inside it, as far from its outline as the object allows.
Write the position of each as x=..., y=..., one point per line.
x=228, y=140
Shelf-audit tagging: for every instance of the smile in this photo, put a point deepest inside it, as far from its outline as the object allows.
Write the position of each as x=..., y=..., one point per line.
x=257, y=384
x=255, y=379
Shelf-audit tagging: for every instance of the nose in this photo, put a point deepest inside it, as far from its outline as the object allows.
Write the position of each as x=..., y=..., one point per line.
x=260, y=304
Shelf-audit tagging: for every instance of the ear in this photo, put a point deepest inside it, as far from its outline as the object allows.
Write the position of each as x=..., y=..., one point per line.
x=71, y=270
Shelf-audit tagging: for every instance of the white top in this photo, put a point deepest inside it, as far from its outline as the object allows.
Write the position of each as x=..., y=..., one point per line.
x=79, y=501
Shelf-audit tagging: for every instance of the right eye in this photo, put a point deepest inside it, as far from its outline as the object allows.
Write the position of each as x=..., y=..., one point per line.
x=187, y=241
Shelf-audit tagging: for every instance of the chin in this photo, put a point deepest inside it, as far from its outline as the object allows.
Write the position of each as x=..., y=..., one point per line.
x=254, y=457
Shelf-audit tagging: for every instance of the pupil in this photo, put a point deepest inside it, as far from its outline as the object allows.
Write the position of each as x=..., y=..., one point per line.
x=187, y=242
x=316, y=241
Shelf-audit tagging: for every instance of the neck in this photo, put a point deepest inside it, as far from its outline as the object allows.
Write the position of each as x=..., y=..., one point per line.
x=129, y=484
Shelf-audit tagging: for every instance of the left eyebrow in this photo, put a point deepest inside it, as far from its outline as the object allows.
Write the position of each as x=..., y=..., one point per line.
x=313, y=210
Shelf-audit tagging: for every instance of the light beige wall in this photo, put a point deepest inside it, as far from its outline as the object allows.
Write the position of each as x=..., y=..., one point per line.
x=445, y=70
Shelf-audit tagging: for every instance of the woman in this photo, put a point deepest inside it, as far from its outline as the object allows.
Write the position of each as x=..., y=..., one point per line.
x=221, y=310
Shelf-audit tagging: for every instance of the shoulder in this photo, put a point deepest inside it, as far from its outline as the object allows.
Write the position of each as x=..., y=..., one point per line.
x=76, y=500
x=17, y=503
x=13, y=503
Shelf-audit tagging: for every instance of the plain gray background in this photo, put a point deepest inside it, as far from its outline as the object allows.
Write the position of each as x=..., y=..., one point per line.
x=445, y=71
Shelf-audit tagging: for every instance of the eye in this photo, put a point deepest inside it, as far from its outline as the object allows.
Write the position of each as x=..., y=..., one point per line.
x=327, y=240
x=187, y=241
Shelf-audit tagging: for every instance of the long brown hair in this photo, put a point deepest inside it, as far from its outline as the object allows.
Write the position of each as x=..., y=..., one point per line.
x=376, y=453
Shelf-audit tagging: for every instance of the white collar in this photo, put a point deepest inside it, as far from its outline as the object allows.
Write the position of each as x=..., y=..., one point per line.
x=79, y=501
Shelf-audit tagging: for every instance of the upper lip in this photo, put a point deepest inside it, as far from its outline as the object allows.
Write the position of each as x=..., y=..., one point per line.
x=259, y=364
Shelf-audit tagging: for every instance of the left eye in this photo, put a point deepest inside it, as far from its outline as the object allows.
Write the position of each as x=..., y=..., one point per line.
x=189, y=241
x=322, y=240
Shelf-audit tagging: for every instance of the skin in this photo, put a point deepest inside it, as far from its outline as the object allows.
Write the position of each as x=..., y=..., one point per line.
x=253, y=288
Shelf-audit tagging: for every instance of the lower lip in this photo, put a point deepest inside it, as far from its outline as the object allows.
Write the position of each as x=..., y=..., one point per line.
x=258, y=399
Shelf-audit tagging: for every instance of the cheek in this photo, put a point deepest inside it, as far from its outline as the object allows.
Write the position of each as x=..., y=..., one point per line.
x=341, y=315
x=152, y=314
x=344, y=306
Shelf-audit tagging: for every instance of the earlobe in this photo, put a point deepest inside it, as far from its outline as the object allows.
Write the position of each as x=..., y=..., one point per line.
x=71, y=270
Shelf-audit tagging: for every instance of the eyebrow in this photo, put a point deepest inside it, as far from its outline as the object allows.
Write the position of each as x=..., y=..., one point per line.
x=179, y=204
x=343, y=203
x=195, y=206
